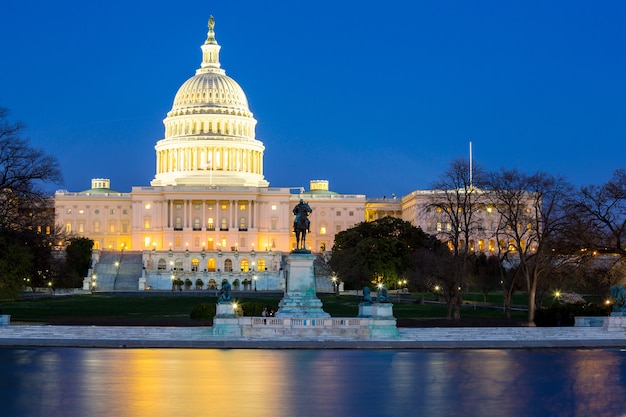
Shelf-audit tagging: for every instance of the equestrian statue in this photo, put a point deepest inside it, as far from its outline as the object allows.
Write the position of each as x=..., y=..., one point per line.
x=301, y=225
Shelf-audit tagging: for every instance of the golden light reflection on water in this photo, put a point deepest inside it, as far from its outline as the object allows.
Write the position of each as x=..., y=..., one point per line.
x=276, y=383
x=201, y=382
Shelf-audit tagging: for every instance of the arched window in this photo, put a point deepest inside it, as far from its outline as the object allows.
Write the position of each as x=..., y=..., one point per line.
x=245, y=265
x=209, y=224
x=210, y=265
x=228, y=265
x=194, y=265
x=224, y=224
x=178, y=265
x=261, y=265
x=162, y=265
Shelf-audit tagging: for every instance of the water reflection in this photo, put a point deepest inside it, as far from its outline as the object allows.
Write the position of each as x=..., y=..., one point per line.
x=264, y=383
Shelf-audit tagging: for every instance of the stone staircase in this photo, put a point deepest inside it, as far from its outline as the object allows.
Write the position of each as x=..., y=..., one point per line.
x=119, y=271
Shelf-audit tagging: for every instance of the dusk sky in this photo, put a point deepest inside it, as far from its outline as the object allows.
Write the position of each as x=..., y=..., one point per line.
x=378, y=97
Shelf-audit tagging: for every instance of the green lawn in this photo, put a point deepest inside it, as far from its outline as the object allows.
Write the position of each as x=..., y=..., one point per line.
x=149, y=307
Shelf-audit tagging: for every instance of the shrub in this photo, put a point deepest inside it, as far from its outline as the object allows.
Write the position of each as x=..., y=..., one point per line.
x=204, y=311
x=563, y=314
x=254, y=309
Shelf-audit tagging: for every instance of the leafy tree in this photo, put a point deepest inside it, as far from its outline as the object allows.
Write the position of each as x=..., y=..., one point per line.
x=77, y=261
x=14, y=267
x=378, y=251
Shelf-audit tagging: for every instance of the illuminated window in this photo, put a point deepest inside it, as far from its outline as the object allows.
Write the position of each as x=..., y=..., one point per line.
x=81, y=211
x=194, y=265
x=68, y=228
x=481, y=245
x=261, y=265
x=492, y=245
x=274, y=208
x=146, y=222
x=323, y=230
x=245, y=265
x=146, y=242
x=224, y=224
x=81, y=227
x=210, y=265
x=96, y=226
x=68, y=211
x=242, y=223
x=197, y=223
x=242, y=207
x=210, y=224
x=147, y=206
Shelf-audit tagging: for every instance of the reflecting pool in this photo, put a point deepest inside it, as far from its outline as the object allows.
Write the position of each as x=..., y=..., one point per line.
x=276, y=383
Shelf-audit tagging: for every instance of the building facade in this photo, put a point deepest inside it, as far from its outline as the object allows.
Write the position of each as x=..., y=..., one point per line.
x=209, y=208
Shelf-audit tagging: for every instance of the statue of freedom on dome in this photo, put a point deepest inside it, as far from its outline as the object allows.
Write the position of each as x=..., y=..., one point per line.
x=301, y=225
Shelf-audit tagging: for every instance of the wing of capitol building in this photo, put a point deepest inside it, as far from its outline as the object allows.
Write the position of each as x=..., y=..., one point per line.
x=209, y=215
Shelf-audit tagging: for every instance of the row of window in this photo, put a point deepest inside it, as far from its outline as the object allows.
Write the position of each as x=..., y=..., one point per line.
x=96, y=227
x=244, y=265
x=96, y=211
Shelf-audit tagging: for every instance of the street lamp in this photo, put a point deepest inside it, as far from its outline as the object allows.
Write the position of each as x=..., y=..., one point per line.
x=334, y=278
x=255, y=278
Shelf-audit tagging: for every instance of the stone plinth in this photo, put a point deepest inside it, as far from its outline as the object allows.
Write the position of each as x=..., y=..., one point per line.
x=224, y=310
x=225, y=322
x=616, y=322
x=379, y=310
x=5, y=319
x=382, y=323
x=300, y=298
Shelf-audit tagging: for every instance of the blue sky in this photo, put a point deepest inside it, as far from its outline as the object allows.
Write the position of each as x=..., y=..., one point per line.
x=376, y=97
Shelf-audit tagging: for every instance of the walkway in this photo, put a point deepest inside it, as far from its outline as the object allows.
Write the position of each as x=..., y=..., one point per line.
x=413, y=338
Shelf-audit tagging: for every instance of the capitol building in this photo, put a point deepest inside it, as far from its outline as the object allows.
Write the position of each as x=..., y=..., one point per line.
x=210, y=215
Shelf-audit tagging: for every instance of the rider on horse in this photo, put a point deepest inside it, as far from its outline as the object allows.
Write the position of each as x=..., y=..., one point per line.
x=302, y=211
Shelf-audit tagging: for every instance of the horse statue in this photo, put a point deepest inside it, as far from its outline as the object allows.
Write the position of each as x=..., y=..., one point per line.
x=301, y=224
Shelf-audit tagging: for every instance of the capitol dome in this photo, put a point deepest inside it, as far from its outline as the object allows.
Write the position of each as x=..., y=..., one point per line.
x=210, y=131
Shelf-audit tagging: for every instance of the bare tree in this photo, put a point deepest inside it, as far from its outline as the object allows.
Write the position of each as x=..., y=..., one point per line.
x=27, y=229
x=603, y=209
x=532, y=210
x=23, y=170
x=454, y=206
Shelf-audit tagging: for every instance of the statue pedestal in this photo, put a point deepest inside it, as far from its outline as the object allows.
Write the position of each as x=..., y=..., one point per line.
x=225, y=322
x=383, y=323
x=616, y=322
x=300, y=298
x=224, y=310
x=376, y=310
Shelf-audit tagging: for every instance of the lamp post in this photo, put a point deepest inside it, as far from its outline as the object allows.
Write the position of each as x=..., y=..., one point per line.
x=335, y=283
x=254, y=278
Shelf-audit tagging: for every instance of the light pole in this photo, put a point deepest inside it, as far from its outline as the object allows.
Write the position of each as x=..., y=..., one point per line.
x=255, y=278
x=334, y=278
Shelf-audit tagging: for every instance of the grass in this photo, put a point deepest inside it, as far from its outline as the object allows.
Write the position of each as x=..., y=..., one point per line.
x=174, y=310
